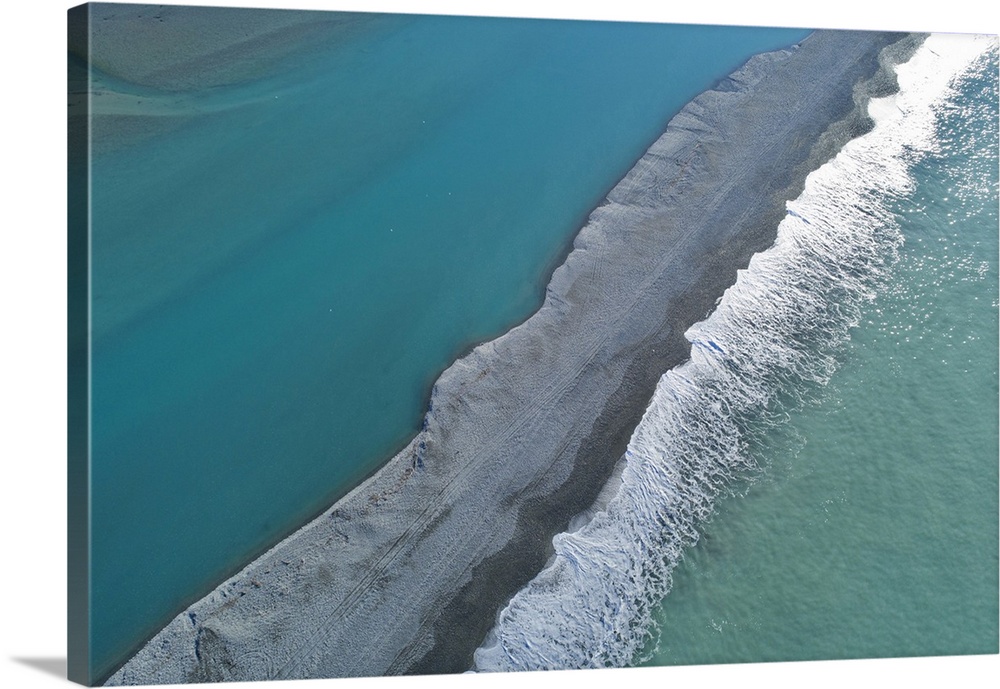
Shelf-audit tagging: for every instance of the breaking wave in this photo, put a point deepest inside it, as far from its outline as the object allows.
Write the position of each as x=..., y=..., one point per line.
x=773, y=336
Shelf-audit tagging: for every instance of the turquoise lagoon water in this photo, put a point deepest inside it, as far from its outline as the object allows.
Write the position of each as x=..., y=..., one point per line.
x=873, y=529
x=277, y=282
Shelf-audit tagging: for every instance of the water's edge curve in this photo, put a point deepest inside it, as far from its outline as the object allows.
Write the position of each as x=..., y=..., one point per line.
x=407, y=572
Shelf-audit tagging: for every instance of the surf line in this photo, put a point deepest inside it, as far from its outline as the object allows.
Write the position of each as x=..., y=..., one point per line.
x=772, y=338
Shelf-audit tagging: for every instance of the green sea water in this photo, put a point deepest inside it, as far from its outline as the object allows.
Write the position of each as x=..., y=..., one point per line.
x=278, y=279
x=872, y=531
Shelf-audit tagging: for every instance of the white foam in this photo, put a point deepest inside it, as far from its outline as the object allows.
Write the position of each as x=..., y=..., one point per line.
x=773, y=335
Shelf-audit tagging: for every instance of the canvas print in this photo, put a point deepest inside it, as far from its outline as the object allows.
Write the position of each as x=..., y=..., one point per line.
x=414, y=344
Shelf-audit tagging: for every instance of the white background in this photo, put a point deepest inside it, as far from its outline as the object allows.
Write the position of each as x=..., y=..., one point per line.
x=32, y=346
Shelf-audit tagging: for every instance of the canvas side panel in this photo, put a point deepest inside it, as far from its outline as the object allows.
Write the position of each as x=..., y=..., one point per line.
x=78, y=347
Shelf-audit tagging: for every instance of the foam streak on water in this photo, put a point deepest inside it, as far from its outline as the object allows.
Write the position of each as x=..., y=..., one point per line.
x=773, y=336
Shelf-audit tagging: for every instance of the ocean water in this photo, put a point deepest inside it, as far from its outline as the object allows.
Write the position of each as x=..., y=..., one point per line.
x=278, y=280
x=820, y=479
x=873, y=531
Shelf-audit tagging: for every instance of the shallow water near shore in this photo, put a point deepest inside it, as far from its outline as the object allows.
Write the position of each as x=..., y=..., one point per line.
x=278, y=281
x=873, y=529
